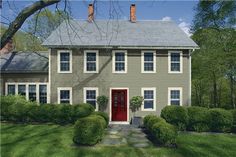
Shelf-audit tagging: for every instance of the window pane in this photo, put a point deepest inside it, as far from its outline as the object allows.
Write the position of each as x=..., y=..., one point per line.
x=120, y=56
x=32, y=92
x=91, y=56
x=91, y=66
x=175, y=57
x=21, y=90
x=175, y=66
x=148, y=66
x=120, y=66
x=148, y=94
x=175, y=102
x=65, y=101
x=91, y=94
x=64, y=94
x=92, y=102
x=148, y=104
x=11, y=90
x=175, y=94
x=65, y=56
x=43, y=94
x=148, y=56
x=65, y=66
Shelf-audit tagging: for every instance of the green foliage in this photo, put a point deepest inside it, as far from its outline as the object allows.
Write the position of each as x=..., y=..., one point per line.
x=153, y=120
x=135, y=103
x=89, y=130
x=102, y=102
x=176, y=115
x=198, y=119
x=220, y=120
x=234, y=120
x=104, y=115
x=146, y=119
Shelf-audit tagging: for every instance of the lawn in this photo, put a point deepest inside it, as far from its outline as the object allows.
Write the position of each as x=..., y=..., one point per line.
x=56, y=141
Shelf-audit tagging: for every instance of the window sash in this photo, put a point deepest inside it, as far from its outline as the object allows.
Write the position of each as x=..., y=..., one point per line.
x=64, y=61
x=65, y=98
x=148, y=99
x=32, y=90
x=9, y=90
x=175, y=63
x=120, y=64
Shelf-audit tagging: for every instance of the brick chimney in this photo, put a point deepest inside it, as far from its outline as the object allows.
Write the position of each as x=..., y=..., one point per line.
x=132, y=13
x=90, y=12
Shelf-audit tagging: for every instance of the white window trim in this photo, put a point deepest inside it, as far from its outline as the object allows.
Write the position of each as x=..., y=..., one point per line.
x=59, y=61
x=59, y=91
x=113, y=62
x=27, y=88
x=97, y=94
x=142, y=61
x=180, y=97
x=85, y=61
x=154, y=98
x=169, y=62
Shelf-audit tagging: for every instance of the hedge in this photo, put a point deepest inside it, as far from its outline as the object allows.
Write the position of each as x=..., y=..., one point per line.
x=102, y=114
x=89, y=130
x=234, y=120
x=198, y=119
x=162, y=132
x=17, y=109
x=176, y=115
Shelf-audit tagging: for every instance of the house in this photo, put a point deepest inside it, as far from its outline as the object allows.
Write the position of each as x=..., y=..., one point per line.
x=116, y=58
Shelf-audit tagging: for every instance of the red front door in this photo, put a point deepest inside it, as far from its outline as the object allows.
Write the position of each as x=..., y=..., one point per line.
x=119, y=105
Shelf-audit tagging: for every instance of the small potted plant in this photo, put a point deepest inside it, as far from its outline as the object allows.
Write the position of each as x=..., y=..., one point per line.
x=135, y=104
x=102, y=102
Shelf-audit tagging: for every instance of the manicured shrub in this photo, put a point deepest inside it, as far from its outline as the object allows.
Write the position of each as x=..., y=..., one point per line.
x=146, y=119
x=104, y=115
x=198, y=119
x=152, y=121
x=89, y=130
x=165, y=133
x=176, y=115
x=102, y=101
x=81, y=110
x=234, y=120
x=220, y=120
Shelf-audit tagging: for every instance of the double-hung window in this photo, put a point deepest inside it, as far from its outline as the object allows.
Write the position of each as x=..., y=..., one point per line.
x=175, y=62
x=32, y=92
x=148, y=62
x=42, y=94
x=90, y=96
x=91, y=61
x=119, y=59
x=11, y=89
x=64, y=61
x=149, y=96
x=175, y=96
x=65, y=95
x=22, y=89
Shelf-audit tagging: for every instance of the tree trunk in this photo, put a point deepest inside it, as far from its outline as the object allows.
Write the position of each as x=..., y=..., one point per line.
x=214, y=91
x=22, y=16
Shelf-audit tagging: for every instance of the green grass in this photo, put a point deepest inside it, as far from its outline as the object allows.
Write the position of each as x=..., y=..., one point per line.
x=19, y=140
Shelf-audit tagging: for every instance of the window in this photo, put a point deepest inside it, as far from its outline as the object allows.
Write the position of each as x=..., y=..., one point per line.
x=148, y=61
x=11, y=89
x=149, y=96
x=32, y=93
x=175, y=62
x=175, y=96
x=65, y=95
x=42, y=94
x=64, y=61
x=90, y=61
x=119, y=61
x=90, y=96
x=22, y=90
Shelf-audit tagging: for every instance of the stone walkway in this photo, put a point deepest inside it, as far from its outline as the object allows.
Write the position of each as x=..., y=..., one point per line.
x=125, y=135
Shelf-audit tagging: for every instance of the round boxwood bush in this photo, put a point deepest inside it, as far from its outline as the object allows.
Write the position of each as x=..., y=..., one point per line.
x=234, y=120
x=220, y=120
x=104, y=115
x=153, y=120
x=198, y=119
x=81, y=110
x=146, y=119
x=89, y=130
x=164, y=133
x=176, y=115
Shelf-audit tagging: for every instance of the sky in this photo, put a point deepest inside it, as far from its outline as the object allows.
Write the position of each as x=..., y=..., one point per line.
x=181, y=12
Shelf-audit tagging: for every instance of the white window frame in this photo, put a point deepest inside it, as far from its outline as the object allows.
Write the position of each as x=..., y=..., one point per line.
x=169, y=62
x=85, y=96
x=85, y=61
x=27, y=88
x=59, y=89
x=114, y=61
x=142, y=61
x=154, y=98
x=169, y=95
x=59, y=61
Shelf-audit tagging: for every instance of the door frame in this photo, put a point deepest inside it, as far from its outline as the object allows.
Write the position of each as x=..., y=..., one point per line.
x=110, y=106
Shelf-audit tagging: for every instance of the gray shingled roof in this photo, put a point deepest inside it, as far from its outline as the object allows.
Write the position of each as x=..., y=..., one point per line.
x=79, y=33
x=24, y=62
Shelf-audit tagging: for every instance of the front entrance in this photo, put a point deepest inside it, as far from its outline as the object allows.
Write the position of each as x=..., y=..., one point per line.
x=119, y=105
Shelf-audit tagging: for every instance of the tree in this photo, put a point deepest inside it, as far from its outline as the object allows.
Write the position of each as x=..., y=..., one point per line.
x=22, y=16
